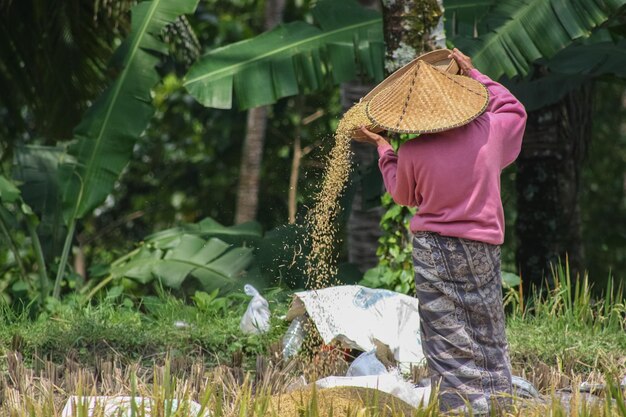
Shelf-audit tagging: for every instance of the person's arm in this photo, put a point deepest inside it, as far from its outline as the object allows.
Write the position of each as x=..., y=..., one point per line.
x=397, y=172
x=508, y=114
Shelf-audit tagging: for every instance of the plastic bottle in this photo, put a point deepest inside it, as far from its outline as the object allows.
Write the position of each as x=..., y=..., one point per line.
x=292, y=341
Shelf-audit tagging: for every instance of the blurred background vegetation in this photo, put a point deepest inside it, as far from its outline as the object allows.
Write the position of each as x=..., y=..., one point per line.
x=186, y=165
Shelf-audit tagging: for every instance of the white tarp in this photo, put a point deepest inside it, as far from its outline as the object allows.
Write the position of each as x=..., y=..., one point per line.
x=121, y=406
x=358, y=316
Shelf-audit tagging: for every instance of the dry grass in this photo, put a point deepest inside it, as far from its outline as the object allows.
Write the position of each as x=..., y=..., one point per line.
x=227, y=391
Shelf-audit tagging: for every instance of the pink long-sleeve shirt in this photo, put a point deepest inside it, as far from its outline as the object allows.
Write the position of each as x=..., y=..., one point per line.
x=454, y=176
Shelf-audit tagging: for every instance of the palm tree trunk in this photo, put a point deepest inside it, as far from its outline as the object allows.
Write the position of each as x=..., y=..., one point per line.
x=548, y=222
x=252, y=153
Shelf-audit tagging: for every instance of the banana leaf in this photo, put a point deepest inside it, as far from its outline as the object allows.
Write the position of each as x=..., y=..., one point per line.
x=575, y=65
x=239, y=234
x=463, y=17
x=547, y=90
x=36, y=169
x=294, y=58
x=213, y=263
x=596, y=59
x=523, y=31
x=105, y=137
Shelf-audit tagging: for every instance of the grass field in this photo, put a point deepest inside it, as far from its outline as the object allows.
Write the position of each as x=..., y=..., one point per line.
x=167, y=349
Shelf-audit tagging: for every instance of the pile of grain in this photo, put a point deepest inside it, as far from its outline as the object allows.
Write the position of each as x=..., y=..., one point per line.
x=338, y=402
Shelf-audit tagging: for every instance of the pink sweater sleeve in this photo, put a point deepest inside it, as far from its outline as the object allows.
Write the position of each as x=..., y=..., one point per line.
x=508, y=115
x=398, y=176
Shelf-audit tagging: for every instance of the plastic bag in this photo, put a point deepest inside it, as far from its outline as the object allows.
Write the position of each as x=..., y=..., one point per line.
x=256, y=319
x=366, y=364
x=361, y=318
x=122, y=406
x=523, y=388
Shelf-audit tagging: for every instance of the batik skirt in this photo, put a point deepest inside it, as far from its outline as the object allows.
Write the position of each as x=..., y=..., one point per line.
x=459, y=287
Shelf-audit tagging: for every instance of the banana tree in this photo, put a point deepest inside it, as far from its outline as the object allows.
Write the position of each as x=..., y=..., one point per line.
x=105, y=136
x=506, y=39
x=74, y=181
x=213, y=255
x=503, y=37
x=344, y=43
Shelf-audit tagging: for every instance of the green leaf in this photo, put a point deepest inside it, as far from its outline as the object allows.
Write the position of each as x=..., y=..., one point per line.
x=292, y=58
x=174, y=255
x=592, y=59
x=510, y=279
x=9, y=193
x=523, y=31
x=571, y=68
x=237, y=234
x=463, y=16
x=108, y=130
x=547, y=90
x=36, y=168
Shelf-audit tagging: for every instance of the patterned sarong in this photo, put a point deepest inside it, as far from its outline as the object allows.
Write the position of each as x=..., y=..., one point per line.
x=459, y=288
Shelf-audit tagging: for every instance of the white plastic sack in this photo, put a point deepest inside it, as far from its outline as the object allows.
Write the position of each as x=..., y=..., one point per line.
x=366, y=364
x=121, y=406
x=523, y=388
x=256, y=319
x=357, y=316
x=391, y=383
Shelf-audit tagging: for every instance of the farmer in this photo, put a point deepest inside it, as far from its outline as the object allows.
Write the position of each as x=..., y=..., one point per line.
x=453, y=175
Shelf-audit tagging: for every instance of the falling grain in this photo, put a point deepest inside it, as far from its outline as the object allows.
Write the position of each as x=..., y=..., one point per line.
x=321, y=265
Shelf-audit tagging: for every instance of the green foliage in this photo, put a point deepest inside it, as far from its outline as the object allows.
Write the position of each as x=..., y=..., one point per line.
x=523, y=31
x=513, y=35
x=395, y=262
x=36, y=170
x=149, y=327
x=109, y=128
x=292, y=58
x=568, y=327
x=13, y=213
x=600, y=56
x=105, y=137
x=199, y=250
x=54, y=62
x=603, y=196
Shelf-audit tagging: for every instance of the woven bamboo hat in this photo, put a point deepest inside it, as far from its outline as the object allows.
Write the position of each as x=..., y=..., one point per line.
x=425, y=99
x=438, y=58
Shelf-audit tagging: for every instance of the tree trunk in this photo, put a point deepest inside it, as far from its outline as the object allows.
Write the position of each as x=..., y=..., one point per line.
x=548, y=181
x=252, y=153
x=250, y=169
x=410, y=28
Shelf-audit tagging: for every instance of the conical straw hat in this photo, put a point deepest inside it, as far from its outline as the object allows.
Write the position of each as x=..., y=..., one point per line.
x=438, y=58
x=425, y=100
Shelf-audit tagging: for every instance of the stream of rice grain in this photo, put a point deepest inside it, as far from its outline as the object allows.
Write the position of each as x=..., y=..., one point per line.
x=321, y=267
x=321, y=262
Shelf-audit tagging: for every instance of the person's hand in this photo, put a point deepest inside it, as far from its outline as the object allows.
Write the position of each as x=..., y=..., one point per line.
x=464, y=61
x=371, y=137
